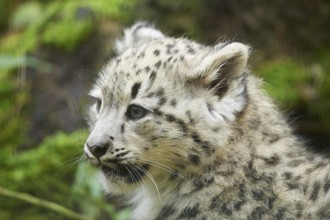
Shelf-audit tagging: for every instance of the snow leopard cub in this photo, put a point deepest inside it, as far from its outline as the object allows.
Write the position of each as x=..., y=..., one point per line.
x=184, y=131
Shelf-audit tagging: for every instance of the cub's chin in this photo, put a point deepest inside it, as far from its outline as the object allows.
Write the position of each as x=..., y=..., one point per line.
x=122, y=179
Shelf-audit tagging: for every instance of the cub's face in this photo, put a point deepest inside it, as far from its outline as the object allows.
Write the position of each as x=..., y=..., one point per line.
x=160, y=107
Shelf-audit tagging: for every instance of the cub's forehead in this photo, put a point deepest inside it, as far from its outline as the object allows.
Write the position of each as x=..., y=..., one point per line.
x=162, y=59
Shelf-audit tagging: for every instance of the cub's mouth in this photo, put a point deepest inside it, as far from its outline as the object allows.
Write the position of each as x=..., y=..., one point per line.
x=131, y=173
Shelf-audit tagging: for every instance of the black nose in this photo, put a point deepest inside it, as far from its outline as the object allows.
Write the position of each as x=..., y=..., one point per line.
x=98, y=150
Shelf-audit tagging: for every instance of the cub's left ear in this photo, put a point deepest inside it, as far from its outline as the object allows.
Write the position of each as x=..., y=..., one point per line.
x=139, y=33
x=223, y=72
x=225, y=64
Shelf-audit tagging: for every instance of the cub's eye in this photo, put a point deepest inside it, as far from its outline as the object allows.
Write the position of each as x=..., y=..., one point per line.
x=98, y=104
x=135, y=112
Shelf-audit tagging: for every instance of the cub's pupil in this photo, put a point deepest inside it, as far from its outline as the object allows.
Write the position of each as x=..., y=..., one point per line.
x=136, y=112
x=98, y=104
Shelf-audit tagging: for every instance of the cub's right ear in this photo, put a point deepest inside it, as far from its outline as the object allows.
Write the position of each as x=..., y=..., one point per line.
x=139, y=33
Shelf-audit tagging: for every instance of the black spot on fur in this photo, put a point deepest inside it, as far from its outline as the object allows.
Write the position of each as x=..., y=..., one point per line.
x=138, y=72
x=182, y=125
x=326, y=186
x=239, y=204
x=251, y=173
x=135, y=90
x=196, y=138
x=287, y=175
x=205, y=181
x=179, y=122
x=157, y=65
x=194, y=158
x=160, y=93
x=258, y=195
x=162, y=101
x=271, y=201
x=292, y=185
x=257, y=213
x=190, y=212
x=157, y=112
x=281, y=213
x=167, y=211
x=203, y=144
x=141, y=55
x=273, y=160
x=170, y=118
x=156, y=52
x=274, y=138
x=191, y=50
x=254, y=123
x=191, y=120
x=226, y=173
x=173, y=102
x=170, y=46
x=150, y=95
x=122, y=128
x=315, y=192
x=221, y=207
x=147, y=69
x=152, y=75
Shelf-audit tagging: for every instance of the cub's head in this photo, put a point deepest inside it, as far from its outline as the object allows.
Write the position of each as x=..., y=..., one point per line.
x=163, y=107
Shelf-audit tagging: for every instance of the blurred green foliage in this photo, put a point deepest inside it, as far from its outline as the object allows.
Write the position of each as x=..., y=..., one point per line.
x=294, y=85
x=284, y=81
x=53, y=170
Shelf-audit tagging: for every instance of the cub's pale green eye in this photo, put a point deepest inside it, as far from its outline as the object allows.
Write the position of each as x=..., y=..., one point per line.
x=135, y=112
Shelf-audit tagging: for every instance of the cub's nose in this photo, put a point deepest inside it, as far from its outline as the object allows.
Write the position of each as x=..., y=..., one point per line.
x=98, y=150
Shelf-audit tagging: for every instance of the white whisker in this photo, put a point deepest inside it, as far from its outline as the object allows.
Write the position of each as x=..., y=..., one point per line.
x=132, y=175
x=151, y=179
x=163, y=167
x=71, y=162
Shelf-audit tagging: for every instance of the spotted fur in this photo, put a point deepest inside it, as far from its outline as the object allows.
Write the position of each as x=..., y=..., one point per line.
x=184, y=131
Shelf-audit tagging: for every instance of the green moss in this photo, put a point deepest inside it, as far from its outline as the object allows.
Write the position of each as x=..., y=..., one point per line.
x=26, y=14
x=67, y=34
x=44, y=171
x=78, y=19
x=118, y=9
x=13, y=122
x=53, y=171
x=320, y=106
x=297, y=87
x=285, y=81
x=63, y=24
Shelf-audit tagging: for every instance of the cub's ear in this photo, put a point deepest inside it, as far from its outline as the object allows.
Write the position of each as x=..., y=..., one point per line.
x=219, y=68
x=223, y=72
x=138, y=34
